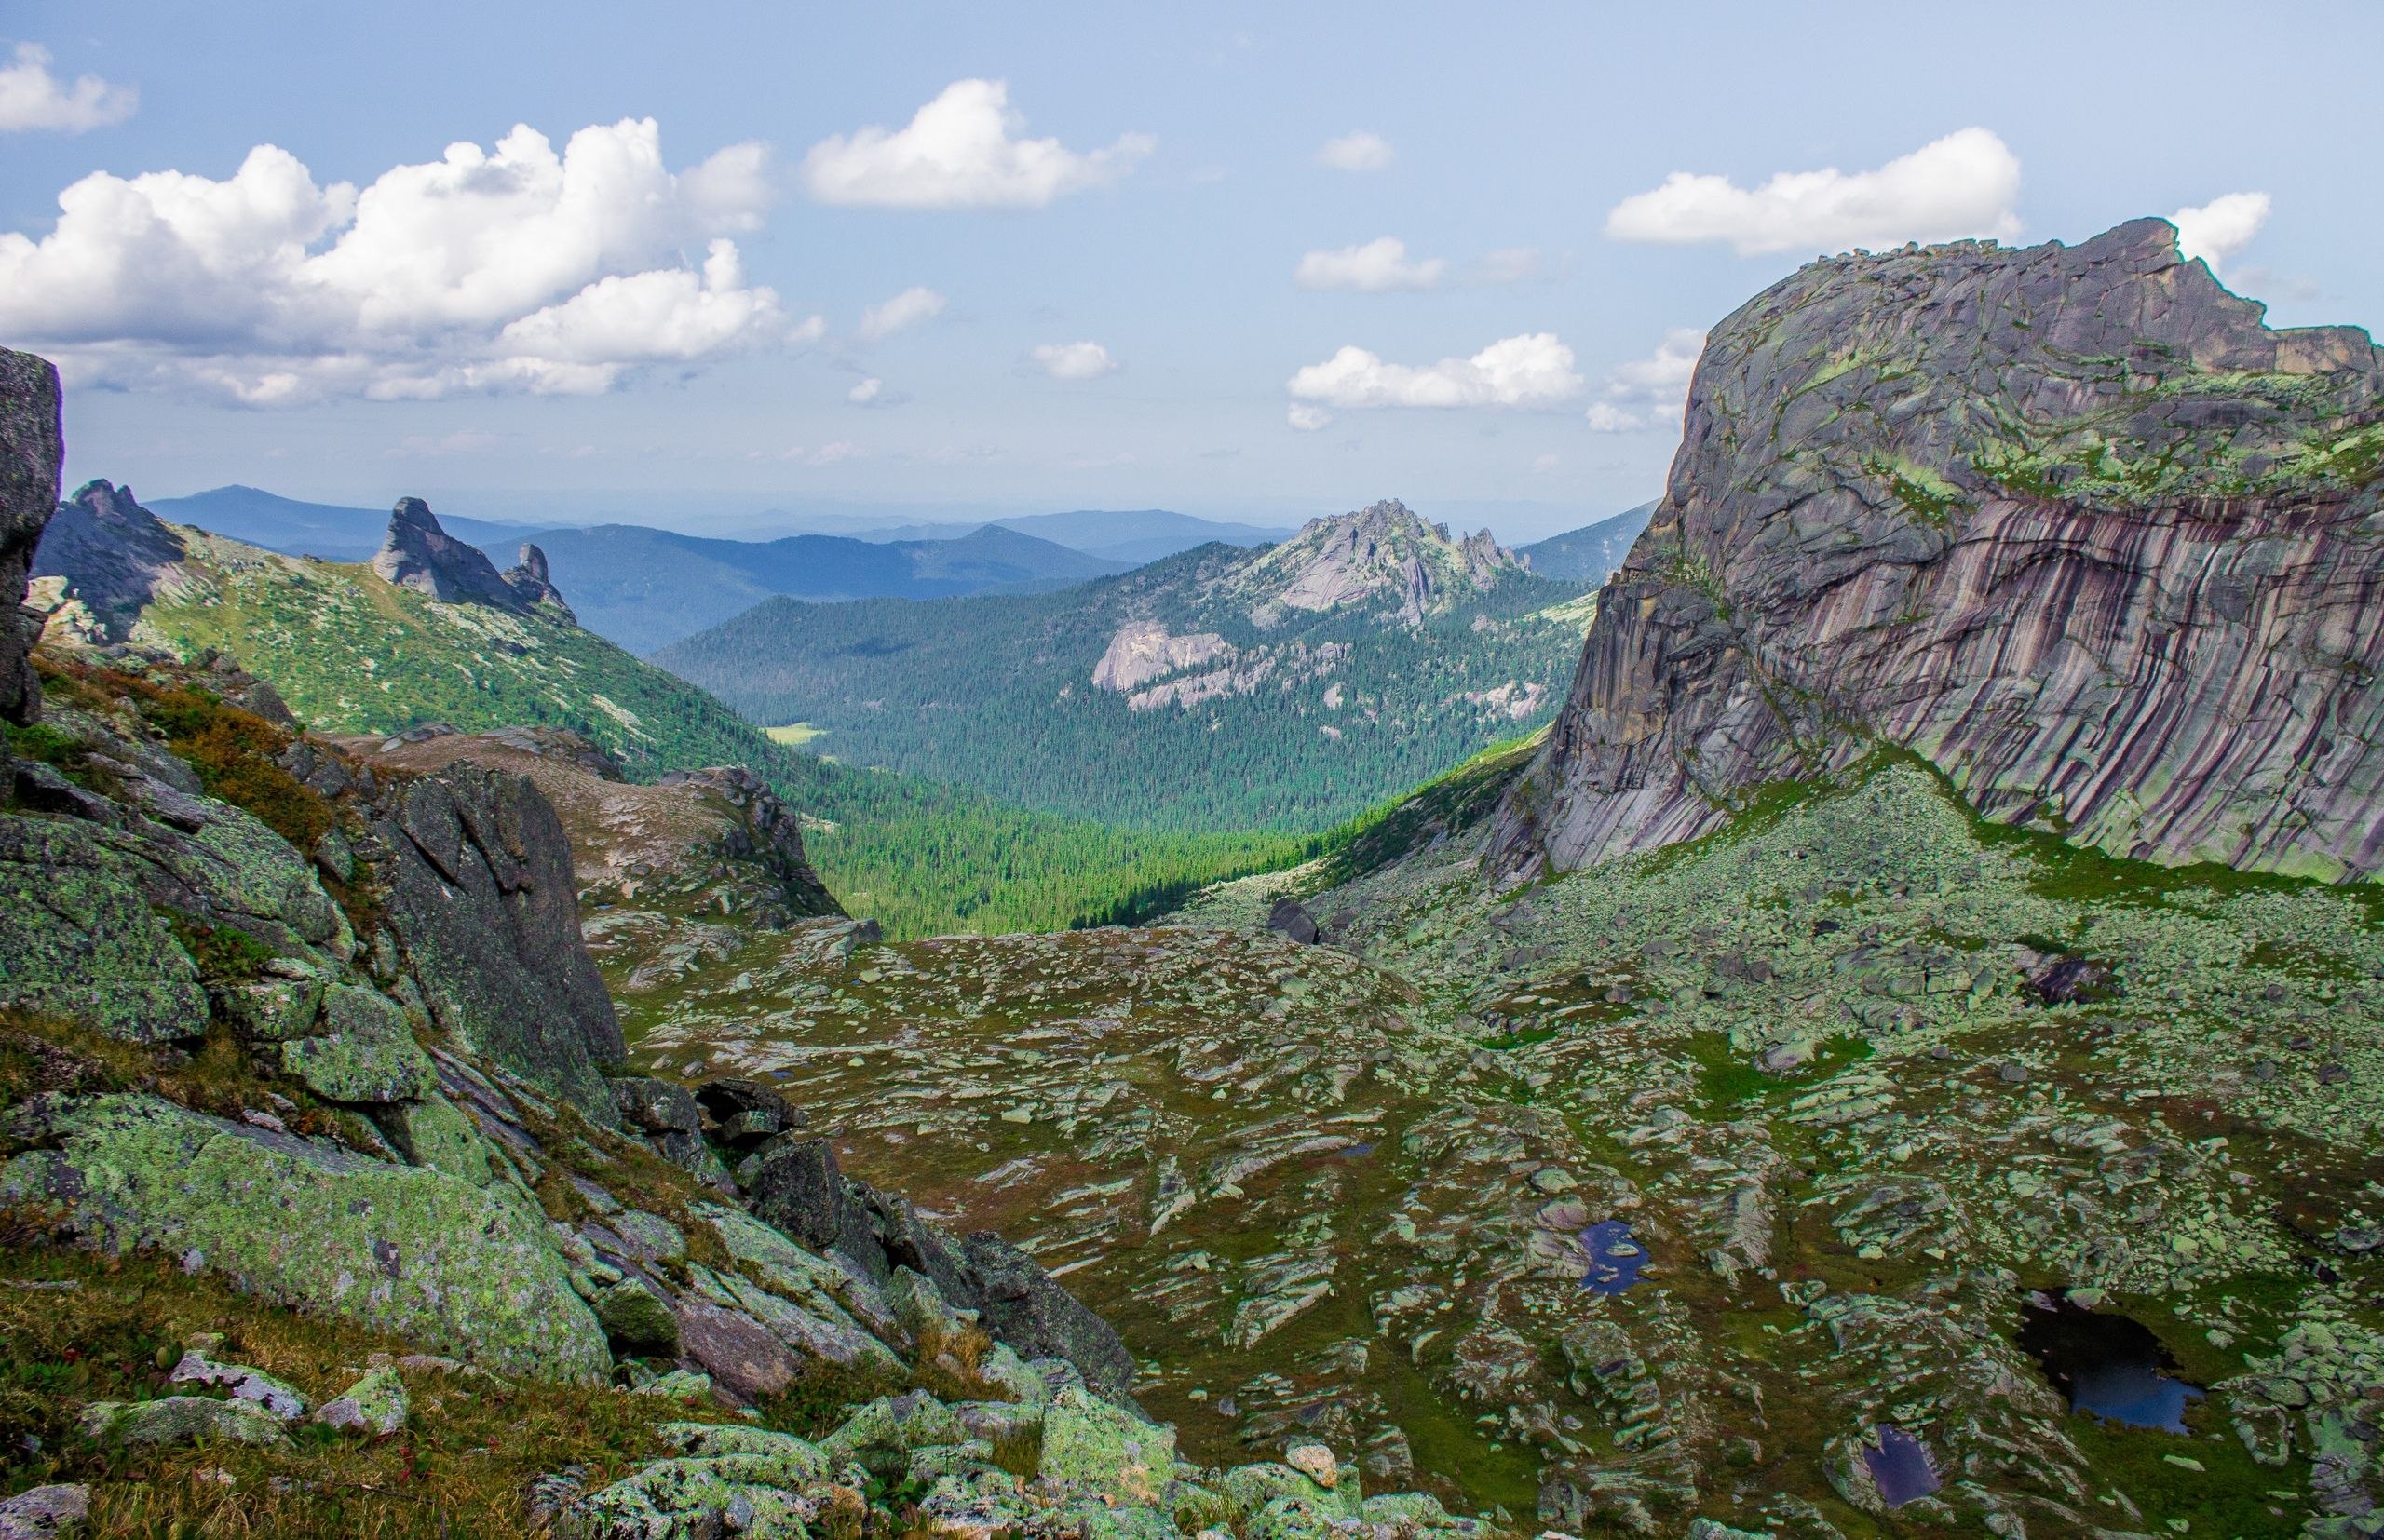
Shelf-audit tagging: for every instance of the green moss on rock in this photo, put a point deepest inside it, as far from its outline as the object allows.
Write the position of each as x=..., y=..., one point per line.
x=405, y=1249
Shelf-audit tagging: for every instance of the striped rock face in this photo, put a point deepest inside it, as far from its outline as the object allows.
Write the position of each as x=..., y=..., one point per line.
x=2071, y=523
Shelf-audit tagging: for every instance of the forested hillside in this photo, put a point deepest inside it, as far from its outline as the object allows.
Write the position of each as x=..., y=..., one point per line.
x=1217, y=689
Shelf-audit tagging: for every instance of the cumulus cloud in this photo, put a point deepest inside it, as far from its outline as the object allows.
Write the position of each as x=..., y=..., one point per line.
x=1528, y=370
x=32, y=97
x=1962, y=184
x=2217, y=230
x=1376, y=266
x=1359, y=150
x=1305, y=418
x=904, y=310
x=504, y=269
x=1074, y=360
x=963, y=150
x=1649, y=392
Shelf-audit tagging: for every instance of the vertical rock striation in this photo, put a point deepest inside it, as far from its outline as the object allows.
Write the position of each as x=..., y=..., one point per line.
x=2070, y=522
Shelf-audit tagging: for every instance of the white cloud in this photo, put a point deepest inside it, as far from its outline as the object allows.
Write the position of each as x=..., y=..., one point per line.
x=1308, y=419
x=516, y=268
x=1359, y=150
x=2217, y=230
x=32, y=97
x=961, y=151
x=1543, y=464
x=1532, y=370
x=1377, y=265
x=1962, y=184
x=904, y=310
x=835, y=453
x=865, y=392
x=1074, y=360
x=1512, y=265
x=1650, y=392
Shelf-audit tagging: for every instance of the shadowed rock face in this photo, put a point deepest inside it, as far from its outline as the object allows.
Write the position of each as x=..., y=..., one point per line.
x=2071, y=523
x=32, y=447
x=115, y=555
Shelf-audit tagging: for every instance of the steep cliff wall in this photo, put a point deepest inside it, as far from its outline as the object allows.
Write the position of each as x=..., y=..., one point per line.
x=2070, y=522
x=30, y=451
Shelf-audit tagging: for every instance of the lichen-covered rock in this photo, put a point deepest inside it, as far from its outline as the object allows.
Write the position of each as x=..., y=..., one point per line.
x=636, y=1319
x=432, y=1132
x=177, y=1419
x=32, y=449
x=313, y=1226
x=82, y=940
x=242, y=1383
x=1258, y=1487
x=46, y=1513
x=273, y=1010
x=1090, y=1440
x=2069, y=522
x=366, y=1051
x=690, y=1499
x=377, y=1404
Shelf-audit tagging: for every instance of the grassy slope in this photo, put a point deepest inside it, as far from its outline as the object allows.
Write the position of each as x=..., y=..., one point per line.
x=353, y=653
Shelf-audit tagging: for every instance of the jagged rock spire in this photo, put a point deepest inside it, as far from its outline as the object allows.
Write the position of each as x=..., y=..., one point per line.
x=420, y=555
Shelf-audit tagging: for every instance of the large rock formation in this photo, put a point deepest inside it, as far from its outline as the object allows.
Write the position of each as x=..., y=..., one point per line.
x=483, y=914
x=114, y=555
x=32, y=449
x=420, y=555
x=2070, y=522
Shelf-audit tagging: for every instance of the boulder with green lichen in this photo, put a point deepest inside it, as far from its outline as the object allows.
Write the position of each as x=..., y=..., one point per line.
x=311, y=1226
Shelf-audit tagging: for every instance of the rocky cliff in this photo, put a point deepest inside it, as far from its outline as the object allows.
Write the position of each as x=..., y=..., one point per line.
x=1383, y=554
x=2072, y=524
x=32, y=447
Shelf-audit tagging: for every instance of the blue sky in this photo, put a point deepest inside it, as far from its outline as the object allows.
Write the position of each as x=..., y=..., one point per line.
x=1150, y=309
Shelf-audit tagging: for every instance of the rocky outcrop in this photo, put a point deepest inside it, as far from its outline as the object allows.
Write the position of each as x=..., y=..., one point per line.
x=767, y=835
x=483, y=916
x=114, y=555
x=32, y=449
x=1382, y=553
x=2071, y=523
x=1141, y=651
x=531, y=585
x=420, y=555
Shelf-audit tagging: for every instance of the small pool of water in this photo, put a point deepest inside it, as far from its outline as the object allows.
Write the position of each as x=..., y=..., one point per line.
x=1615, y=1257
x=1900, y=1467
x=2109, y=1365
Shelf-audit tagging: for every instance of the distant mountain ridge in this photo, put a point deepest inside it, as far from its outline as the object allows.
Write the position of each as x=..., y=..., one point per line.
x=1218, y=688
x=1591, y=553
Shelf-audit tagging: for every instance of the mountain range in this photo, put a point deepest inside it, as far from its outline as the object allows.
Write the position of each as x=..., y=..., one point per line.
x=1895, y=1051
x=1286, y=687
x=1591, y=553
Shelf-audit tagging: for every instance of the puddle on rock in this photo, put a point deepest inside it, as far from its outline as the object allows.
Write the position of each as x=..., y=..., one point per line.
x=1900, y=1467
x=2107, y=1364
x=1615, y=1257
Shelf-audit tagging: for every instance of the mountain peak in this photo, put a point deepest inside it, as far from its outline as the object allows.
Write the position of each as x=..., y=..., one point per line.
x=420, y=555
x=1384, y=551
x=114, y=555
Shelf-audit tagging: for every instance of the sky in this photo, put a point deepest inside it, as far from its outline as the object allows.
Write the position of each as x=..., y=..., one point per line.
x=703, y=265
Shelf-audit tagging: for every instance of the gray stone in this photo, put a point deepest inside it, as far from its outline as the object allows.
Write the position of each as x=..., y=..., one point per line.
x=32, y=449
x=179, y=1420
x=43, y=1513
